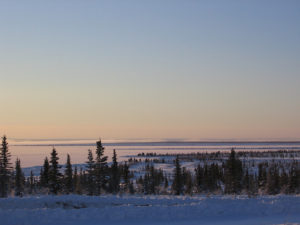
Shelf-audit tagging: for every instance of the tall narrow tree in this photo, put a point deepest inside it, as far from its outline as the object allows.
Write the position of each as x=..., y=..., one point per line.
x=177, y=183
x=31, y=183
x=126, y=176
x=115, y=176
x=45, y=173
x=54, y=173
x=100, y=168
x=5, y=168
x=68, y=176
x=90, y=166
x=19, y=179
x=233, y=174
x=294, y=178
x=78, y=189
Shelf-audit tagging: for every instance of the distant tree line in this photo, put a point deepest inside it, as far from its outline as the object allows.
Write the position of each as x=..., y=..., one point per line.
x=97, y=177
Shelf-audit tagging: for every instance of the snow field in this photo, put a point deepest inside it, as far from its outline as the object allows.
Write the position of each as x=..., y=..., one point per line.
x=108, y=209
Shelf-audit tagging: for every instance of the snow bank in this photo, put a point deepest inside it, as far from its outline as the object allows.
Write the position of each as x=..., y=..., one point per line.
x=86, y=210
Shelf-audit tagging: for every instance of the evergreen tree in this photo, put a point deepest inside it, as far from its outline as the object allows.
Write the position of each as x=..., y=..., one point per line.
x=206, y=178
x=19, y=179
x=253, y=186
x=152, y=180
x=115, y=175
x=246, y=181
x=100, y=168
x=5, y=168
x=166, y=184
x=177, y=183
x=126, y=176
x=54, y=173
x=45, y=173
x=188, y=182
x=75, y=178
x=233, y=174
x=272, y=185
x=78, y=189
x=131, y=188
x=31, y=183
x=90, y=173
x=283, y=182
x=294, y=178
x=262, y=175
x=69, y=176
x=146, y=185
x=199, y=173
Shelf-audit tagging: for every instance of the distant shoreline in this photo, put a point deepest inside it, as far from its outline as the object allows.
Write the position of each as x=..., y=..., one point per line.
x=170, y=143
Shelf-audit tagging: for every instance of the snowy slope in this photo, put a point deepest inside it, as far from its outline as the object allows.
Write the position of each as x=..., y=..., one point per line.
x=85, y=210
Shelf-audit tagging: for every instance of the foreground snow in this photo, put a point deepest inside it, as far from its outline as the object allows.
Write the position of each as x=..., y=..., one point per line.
x=85, y=210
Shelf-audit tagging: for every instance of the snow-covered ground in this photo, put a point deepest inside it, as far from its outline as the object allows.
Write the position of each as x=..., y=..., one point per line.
x=86, y=210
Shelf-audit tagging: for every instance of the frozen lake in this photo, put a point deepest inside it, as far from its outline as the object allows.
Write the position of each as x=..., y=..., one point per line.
x=33, y=154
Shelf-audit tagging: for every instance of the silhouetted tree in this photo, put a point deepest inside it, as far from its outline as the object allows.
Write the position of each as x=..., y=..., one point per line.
x=272, y=185
x=31, y=183
x=68, y=176
x=19, y=179
x=5, y=168
x=199, y=176
x=54, y=173
x=233, y=174
x=115, y=175
x=294, y=178
x=100, y=168
x=45, y=173
x=125, y=174
x=90, y=165
x=177, y=183
x=262, y=175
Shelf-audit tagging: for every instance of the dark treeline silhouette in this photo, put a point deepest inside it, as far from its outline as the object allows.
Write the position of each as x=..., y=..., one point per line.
x=231, y=175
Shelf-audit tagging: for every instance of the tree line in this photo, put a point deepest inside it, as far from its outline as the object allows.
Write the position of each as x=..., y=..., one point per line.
x=97, y=177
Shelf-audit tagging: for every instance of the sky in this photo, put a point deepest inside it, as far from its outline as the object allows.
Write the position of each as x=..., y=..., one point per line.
x=150, y=69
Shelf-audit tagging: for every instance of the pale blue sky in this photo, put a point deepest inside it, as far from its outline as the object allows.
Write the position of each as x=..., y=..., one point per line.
x=150, y=69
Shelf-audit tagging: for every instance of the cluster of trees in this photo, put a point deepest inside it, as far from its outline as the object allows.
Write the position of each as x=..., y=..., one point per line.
x=229, y=177
x=233, y=177
x=97, y=177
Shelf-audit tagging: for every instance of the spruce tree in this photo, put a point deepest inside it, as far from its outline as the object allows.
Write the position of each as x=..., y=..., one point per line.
x=68, y=176
x=283, y=182
x=54, y=173
x=188, y=183
x=177, y=182
x=45, y=173
x=294, y=178
x=115, y=175
x=100, y=168
x=146, y=184
x=272, y=185
x=5, y=168
x=199, y=171
x=262, y=175
x=246, y=181
x=126, y=176
x=131, y=188
x=233, y=174
x=31, y=183
x=90, y=166
x=253, y=186
x=78, y=189
x=19, y=179
x=75, y=178
x=166, y=184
